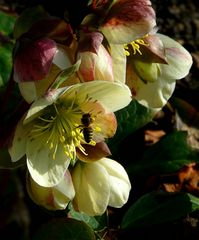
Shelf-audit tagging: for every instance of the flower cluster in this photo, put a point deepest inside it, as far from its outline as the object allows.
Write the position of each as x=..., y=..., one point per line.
x=74, y=79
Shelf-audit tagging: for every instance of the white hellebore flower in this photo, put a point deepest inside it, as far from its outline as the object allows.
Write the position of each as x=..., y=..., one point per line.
x=98, y=185
x=52, y=129
x=155, y=63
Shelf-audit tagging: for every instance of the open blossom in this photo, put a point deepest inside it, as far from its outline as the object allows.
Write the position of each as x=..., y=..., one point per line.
x=154, y=63
x=52, y=129
x=98, y=185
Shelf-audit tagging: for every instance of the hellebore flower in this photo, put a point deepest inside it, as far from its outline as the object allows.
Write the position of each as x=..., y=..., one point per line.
x=98, y=185
x=40, y=54
x=52, y=198
x=154, y=63
x=121, y=22
x=53, y=129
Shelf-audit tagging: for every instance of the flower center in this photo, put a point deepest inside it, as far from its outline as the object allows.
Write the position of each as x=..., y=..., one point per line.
x=134, y=46
x=61, y=125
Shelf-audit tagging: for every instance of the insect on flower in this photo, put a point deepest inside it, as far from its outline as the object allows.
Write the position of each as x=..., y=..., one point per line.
x=87, y=130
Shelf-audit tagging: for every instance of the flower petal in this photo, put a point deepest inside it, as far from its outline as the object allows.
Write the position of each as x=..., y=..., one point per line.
x=128, y=20
x=33, y=60
x=94, y=153
x=28, y=91
x=155, y=94
x=178, y=58
x=95, y=66
x=119, y=182
x=54, y=198
x=119, y=62
x=43, y=102
x=44, y=169
x=18, y=147
x=113, y=96
x=66, y=187
x=91, y=182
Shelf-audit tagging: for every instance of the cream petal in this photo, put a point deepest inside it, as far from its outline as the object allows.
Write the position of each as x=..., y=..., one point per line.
x=120, y=185
x=113, y=96
x=49, y=197
x=44, y=169
x=178, y=58
x=119, y=62
x=62, y=58
x=28, y=91
x=64, y=191
x=18, y=147
x=43, y=102
x=154, y=94
x=65, y=187
x=91, y=182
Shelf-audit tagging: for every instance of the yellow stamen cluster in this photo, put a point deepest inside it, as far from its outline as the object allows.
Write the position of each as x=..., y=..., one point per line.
x=60, y=126
x=135, y=46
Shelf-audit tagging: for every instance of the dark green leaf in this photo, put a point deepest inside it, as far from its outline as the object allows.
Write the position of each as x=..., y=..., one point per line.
x=155, y=208
x=5, y=63
x=129, y=119
x=7, y=23
x=97, y=223
x=64, y=229
x=166, y=156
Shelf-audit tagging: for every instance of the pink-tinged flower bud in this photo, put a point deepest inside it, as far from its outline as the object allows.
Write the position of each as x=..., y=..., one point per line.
x=52, y=198
x=96, y=62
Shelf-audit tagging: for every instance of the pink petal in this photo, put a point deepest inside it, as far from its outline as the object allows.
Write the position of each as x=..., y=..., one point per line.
x=128, y=20
x=33, y=60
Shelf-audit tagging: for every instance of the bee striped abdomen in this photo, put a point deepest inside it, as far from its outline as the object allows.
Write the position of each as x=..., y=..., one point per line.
x=87, y=130
x=88, y=134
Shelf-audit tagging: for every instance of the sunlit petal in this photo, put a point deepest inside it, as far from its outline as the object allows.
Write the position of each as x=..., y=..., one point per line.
x=91, y=182
x=18, y=147
x=178, y=58
x=44, y=169
x=119, y=182
x=119, y=62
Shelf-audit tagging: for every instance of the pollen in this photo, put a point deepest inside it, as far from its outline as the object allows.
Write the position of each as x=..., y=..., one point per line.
x=60, y=127
x=134, y=47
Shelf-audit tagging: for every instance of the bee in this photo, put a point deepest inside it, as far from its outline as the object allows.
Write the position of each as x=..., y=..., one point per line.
x=87, y=130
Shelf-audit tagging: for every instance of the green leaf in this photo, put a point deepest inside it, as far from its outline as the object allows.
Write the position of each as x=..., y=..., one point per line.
x=7, y=23
x=5, y=63
x=166, y=156
x=129, y=119
x=64, y=229
x=156, y=207
x=97, y=223
x=27, y=19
